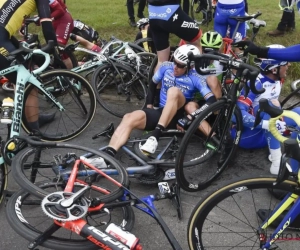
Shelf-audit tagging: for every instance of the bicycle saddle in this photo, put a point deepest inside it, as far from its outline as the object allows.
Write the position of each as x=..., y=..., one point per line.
x=258, y=23
x=108, y=132
x=241, y=18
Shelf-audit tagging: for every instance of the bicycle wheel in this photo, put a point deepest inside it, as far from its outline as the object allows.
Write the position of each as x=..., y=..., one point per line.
x=26, y=217
x=73, y=92
x=146, y=43
x=292, y=100
x=119, y=90
x=227, y=218
x=201, y=12
x=53, y=164
x=146, y=62
x=196, y=145
x=3, y=180
x=200, y=176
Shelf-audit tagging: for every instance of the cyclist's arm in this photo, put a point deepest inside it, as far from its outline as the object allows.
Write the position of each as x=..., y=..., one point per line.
x=157, y=78
x=205, y=91
x=45, y=19
x=56, y=9
x=290, y=54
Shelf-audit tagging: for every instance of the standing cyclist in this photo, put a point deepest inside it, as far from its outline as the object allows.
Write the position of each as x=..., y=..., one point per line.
x=166, y=16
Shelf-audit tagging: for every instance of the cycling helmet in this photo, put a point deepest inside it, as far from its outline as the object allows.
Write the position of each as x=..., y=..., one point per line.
x=142, y=22
x=269, y=64
x=211, y=39
x=181, y=53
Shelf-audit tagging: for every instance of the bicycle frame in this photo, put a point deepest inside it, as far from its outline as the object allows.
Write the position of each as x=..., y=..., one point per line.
x=23, y=77
x=98, y=237
x=146, y=168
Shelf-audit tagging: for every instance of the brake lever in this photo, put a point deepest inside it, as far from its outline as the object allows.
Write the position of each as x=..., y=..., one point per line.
x=258, y=118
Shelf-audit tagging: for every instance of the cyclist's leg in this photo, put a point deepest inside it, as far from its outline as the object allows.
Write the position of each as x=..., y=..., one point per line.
x=189, y=108
x=221, y=20
x=145, y=119
x=240, y=11
x=63, y=28
x=175, y=101
x=214, y=85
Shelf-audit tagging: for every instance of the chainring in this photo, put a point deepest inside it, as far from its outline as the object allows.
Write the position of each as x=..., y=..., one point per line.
x=155, y=178
x=52, y=208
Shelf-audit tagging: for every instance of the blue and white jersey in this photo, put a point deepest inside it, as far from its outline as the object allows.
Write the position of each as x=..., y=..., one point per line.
x=189, y=83
x=272, y=91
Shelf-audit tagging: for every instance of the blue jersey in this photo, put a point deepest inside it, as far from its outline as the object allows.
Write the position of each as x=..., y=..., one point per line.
x=188, y=83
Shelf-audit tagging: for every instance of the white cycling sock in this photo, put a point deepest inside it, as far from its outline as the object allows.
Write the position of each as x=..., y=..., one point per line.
x=276, y=157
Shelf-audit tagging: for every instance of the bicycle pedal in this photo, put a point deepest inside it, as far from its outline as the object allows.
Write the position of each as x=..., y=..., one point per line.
x=164, y=188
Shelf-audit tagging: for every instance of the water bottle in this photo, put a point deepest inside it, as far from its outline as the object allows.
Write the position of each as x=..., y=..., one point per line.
x=97, y=162
x=7, y=110
x=130, y=53
x=125, y=237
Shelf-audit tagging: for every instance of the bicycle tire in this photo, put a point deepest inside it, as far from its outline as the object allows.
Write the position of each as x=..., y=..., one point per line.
x=209, y=170
x=74, y=93
x=22, y=203
x=118, y=89
x=145, y=65
x=196, y=13
x=30, y=166
x=238, y=196
x=149, y=47
x=292, y=100
x=3, y=180
x=169, y=160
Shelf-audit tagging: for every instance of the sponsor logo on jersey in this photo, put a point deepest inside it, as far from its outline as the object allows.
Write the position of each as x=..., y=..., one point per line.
x=8, y=9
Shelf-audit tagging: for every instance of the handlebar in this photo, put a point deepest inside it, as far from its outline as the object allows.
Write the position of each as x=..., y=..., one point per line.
x=291, y=146
x=275, y=114
x=249, y=71
x=43, y=51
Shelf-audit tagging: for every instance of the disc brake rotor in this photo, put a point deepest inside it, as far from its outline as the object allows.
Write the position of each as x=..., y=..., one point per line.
x=52, y=207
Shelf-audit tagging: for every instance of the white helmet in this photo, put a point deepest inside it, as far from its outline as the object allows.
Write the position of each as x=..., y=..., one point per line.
x=142, y=22
x=268, y=64
x=181, y=53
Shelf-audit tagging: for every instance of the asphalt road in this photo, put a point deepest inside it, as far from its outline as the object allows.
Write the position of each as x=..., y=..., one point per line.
x=247, y=162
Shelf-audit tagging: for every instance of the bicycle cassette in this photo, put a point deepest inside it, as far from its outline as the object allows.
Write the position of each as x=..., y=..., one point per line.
x=53, y=208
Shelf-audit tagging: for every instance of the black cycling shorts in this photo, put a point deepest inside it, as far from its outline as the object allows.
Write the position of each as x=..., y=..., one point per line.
x=179, y=24
x=153, y=115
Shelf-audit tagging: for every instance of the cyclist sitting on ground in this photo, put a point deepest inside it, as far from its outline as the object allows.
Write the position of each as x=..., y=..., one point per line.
x=145, y=32
x=9, y=25
x=272, y=72
x=178, y=87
